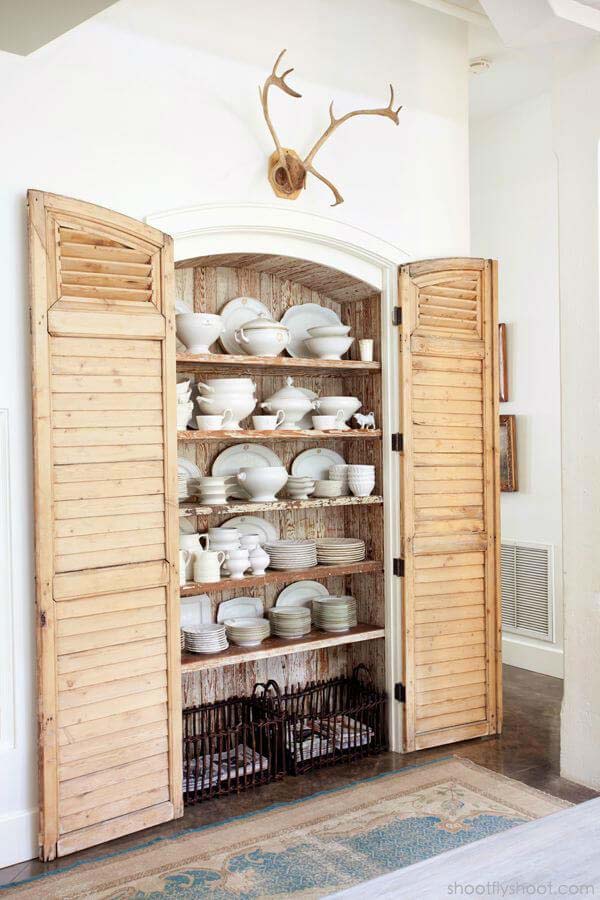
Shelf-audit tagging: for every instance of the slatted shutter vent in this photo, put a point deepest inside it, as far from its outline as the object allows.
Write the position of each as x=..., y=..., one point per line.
x=527, y=596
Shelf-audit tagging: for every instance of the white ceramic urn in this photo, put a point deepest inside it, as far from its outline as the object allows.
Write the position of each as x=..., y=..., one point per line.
x=293, y=402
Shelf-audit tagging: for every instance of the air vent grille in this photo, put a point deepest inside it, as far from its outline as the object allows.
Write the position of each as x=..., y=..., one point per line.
x=527, y=597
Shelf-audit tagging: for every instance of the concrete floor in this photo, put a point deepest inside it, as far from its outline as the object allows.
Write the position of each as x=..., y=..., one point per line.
x=528, y=750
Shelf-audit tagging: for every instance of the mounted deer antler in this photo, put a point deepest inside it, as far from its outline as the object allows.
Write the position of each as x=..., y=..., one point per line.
x=287, y=170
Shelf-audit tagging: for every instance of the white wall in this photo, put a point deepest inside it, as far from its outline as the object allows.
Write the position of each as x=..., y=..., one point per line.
x=514, y=217
x=576, y=112
x=152, y=106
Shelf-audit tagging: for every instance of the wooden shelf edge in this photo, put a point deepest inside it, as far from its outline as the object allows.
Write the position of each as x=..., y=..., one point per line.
x=274, y=646
x=279, y=435
x=277, y=363
x=197, y=509
x=275, y=577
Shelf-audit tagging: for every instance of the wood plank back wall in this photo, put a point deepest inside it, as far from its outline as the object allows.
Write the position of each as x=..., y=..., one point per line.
x=206, y=288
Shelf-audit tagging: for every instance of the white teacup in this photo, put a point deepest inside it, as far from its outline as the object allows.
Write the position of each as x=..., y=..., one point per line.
x=328, y=423
x=214, y=423
x=207, y=565
x=268, y=423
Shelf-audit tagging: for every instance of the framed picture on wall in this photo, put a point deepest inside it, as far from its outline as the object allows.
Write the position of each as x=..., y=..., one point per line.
x=508, y=454
x=502, y=362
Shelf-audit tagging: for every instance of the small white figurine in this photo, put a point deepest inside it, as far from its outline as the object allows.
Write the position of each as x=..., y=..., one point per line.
x=365, y=423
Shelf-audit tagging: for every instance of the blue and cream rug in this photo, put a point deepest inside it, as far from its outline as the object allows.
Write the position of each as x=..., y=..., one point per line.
x=309, y=848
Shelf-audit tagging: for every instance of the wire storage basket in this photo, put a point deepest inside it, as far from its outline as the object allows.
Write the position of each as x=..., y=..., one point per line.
x=231, y=746
x=326, y=722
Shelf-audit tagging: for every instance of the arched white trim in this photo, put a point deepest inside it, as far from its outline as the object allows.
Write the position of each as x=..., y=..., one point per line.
x=264, y=228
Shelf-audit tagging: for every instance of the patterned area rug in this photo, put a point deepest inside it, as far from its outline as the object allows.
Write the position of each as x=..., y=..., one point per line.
x=313, y=847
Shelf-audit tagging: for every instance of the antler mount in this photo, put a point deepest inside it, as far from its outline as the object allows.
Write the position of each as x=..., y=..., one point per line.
x=287, y=169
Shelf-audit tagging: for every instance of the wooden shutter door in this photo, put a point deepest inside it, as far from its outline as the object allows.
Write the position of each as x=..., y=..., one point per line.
x=104, y=430
x=450, y=501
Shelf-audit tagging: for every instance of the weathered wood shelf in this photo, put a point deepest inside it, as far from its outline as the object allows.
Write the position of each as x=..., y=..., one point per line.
x=277, y=364
x=279, y=435
x=273, y=577
x=241, y=506
x=275, y=646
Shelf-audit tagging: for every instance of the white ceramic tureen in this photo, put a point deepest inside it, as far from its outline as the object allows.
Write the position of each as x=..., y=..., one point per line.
x=263, y=337
x=294, y=403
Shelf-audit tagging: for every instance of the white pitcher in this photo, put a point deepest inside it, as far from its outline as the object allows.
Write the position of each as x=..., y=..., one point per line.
x=184, y=558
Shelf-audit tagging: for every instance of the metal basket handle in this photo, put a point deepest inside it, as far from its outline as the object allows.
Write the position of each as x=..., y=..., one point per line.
x=362, y=668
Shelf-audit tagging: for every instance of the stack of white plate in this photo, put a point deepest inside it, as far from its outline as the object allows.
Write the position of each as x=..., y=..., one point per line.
x=247, y=632
x=334, y=613
x=290, y=621
x=339, y=551
x=205, y=638
x=292, y=554
x=299, y=487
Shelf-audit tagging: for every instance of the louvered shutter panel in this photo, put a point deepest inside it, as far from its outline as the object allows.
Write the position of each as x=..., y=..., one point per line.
x=105, y=523
x=450, y=501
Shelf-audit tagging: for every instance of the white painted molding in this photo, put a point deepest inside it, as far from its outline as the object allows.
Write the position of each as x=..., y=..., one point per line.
x=579, y=13
x=18, y=837
x=7, y=685
x=547, y=659
x=284, y=231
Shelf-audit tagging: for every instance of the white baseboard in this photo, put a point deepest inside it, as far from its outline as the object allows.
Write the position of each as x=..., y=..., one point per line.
x=547, y=659
x=18, y=837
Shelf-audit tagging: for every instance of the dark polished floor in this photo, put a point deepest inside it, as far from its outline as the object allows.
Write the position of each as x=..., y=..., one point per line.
x=528, y=750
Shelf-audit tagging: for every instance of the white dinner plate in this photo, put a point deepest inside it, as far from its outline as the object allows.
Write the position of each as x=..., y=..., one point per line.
x=316, y=462
x=240, y=608
x=298, y=319
x=241, y=456
x=300, y=593
x=236, y=313
x=186, y=468
x=254, y=525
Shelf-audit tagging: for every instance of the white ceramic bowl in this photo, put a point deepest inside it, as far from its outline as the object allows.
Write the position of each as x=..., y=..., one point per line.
x=198, y=330
x=240, y=404
x=262, y=483
x=329, y=331
x=226, y=385
x=329, y=406
x=328, y=347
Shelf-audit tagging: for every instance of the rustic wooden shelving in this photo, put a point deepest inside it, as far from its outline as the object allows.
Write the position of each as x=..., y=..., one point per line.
x=244, y=506
x=275, y=646
x=279, y=435
x=275, y=577
x=278, y=365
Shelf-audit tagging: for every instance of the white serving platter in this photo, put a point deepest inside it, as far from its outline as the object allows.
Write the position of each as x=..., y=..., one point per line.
x=254, y=525
x=316, y=462
x=298, y=319
x=240, y=608
x=300, y=593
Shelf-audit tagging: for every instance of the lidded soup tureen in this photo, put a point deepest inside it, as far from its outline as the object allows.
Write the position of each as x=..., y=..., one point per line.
x=293, y=402
x=263, y=337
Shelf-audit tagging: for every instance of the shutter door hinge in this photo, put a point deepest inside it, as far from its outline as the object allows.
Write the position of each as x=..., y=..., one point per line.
x=399, y=567
x=398, y=442
x=397, y=315
x=400, y=692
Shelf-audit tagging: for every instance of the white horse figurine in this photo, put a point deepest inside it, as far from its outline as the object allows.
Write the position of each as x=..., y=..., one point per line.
x=365, y=423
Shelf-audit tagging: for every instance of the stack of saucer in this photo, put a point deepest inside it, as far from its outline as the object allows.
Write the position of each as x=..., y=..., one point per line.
x=292, y=554
x=300, y=486
x=339, y=551
x=247, y=632
x=334, y=613
x=290, y=621
x=361, y=480
x=205, y=638
x=340, y=473
x=212, y=490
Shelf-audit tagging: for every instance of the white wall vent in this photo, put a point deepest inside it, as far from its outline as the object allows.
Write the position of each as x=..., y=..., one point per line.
x=527, y=594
